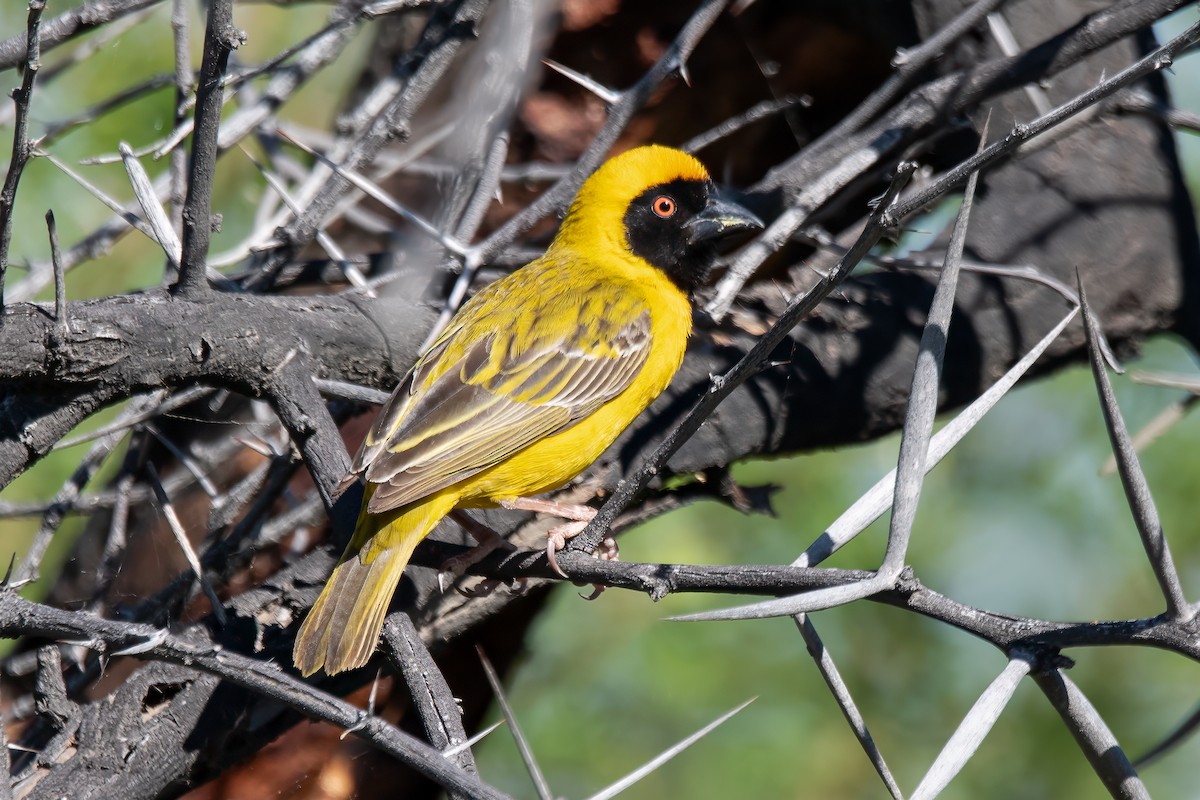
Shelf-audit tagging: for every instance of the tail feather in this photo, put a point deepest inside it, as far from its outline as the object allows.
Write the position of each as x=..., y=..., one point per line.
x=342, y=629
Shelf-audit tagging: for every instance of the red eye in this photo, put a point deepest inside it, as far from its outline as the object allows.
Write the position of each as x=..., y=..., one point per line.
x=663, y=206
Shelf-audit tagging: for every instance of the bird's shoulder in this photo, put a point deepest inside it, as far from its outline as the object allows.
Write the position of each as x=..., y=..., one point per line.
x=563, y=303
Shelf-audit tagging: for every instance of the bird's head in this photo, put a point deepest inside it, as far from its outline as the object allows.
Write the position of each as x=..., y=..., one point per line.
x=658, y=204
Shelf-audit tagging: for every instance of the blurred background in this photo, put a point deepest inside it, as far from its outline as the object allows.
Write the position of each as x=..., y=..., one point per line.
x=1026, y=524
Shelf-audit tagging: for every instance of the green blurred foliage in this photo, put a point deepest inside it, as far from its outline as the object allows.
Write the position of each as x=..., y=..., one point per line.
x=1017, y=520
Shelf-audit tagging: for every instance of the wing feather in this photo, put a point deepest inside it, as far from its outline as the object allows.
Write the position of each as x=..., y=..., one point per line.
x=496, y=398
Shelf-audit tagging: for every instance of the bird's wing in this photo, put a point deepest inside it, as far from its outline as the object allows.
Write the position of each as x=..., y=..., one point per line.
x=504, y=392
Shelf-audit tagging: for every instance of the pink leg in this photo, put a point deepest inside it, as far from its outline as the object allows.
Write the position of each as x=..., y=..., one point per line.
x=556, y=538
x=564, y=510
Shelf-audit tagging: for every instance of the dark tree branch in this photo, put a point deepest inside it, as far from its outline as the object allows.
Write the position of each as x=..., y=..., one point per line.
x=304, y=414
x=256, y=345
x=430, y=693
x=199, y=652
x=1158, y=60
x=21, y=145
x=1003, y=631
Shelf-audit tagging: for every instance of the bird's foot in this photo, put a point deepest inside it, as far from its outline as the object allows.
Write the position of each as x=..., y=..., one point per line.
x=578, y=517
x=556, y=539
x=608, y=550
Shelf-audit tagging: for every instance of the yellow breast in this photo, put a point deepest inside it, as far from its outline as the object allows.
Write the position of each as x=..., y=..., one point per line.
x=556, y=459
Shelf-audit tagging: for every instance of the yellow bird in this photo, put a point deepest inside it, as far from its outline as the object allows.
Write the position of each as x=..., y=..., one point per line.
x=531, y=381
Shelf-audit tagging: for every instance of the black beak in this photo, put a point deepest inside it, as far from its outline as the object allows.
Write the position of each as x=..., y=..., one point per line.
x=720, y=218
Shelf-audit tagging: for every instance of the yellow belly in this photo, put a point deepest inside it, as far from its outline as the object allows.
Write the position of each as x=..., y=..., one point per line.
x=553, y=461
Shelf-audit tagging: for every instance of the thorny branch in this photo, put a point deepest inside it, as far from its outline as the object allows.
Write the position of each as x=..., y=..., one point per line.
x=222, y=351
x=18, y=616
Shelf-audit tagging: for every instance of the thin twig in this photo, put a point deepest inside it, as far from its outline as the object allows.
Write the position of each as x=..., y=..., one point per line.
x=21, y=147
x=220, y=38
x=68, y=25
x=1182, y=732
x=1162, y=422
x=118, y=528
x=351, y=391
x=1003, y=36
x=759, y=111
x=55, y=130
x=162, y=404
x=650, y=766
x=66, y=497
x=60, y=280
x=185, y=544
x=972, y=730
x=188, y=462
x=535, y=772
x=841, y=694
x=123, y=212
x=1136, y=101
x=147, y=197
x=184, y=81
x=331, y=248
x=923, y=397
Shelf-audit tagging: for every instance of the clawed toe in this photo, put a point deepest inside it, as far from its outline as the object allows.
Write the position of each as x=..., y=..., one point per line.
x=597, y=590
x=556, y=539
x=608, y=550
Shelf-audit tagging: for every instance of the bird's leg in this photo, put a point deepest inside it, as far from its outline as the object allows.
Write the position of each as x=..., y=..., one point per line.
x=556, y=537
x=573, y=511
x=489, y=542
